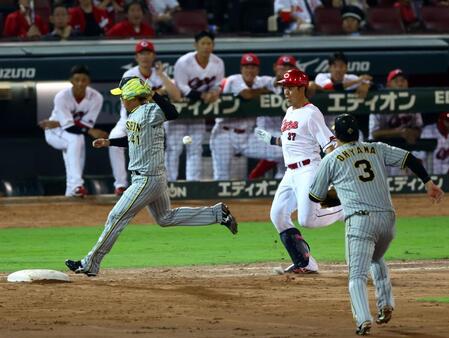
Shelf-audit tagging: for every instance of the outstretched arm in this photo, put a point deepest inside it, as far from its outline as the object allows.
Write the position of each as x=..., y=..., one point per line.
x=114, y=142
x=433, y=191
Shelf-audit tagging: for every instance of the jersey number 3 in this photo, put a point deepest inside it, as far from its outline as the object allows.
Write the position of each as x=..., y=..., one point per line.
x=368, y=174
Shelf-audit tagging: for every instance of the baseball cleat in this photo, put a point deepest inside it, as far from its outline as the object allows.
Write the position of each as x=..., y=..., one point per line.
x=80, y=191
x=229, y=220
x=77, y=267
x=384, y=315
x=364, y=328
x=312, y=267
x=119, y=191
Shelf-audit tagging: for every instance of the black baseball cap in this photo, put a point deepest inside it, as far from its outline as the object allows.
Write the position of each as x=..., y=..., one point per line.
x=346, y=128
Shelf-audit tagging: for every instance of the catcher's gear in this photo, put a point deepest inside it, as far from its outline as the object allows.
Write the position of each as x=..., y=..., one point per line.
x=346, y=128
x=294, y=78
x=331, y=200
x=263, y=135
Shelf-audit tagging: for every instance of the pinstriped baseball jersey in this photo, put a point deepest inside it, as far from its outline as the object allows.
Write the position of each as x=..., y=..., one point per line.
x=146, y=145
x=357, y=170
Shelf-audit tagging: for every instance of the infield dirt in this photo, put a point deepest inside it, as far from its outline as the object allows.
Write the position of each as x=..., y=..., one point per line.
x=212, y=301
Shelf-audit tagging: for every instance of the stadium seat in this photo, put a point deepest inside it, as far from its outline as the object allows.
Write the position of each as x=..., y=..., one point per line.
x=190, y=22
x=328, y=21
x=435, y=19
x=385, y=21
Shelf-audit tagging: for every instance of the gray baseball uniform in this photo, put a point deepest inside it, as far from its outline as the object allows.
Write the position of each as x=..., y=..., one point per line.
x=148, y=188
x=358, y=172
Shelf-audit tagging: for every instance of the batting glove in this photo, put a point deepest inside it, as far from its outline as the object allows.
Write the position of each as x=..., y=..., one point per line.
x=263, y=135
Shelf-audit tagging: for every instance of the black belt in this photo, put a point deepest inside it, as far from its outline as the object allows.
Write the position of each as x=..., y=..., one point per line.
x=235, y=130
x=299, y=164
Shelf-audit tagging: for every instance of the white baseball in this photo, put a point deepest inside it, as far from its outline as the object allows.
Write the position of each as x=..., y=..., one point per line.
x=187, y=139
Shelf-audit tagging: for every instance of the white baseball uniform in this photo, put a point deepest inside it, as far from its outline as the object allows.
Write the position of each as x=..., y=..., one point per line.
x=303, y=132
x=69, y=112
x=440, y=159
x=189, y=75
x=117, y=154
x=393, y=121
x=232, y=136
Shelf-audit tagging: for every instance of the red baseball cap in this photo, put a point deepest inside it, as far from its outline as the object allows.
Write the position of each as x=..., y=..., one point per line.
x=394, y=73
x=249, y=59
x=286, y=60
x=144, y=45
x=294, y=78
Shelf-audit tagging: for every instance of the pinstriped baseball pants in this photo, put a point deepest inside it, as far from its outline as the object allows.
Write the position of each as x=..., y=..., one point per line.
x=367, y=239
x=150, y=192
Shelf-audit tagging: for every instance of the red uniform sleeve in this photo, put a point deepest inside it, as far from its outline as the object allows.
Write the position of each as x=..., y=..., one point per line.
x=11, y=25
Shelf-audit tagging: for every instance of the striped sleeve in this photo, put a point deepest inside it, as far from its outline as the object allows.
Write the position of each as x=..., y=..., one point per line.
x=320, y=185
x=393, y=156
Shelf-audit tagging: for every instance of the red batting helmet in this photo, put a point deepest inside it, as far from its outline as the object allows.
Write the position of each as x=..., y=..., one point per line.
x=294, y=78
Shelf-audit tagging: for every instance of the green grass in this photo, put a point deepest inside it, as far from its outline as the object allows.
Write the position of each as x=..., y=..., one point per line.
x=434, y=299
x=151, y=246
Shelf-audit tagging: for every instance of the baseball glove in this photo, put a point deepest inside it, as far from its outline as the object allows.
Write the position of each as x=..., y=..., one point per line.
x=331, y=200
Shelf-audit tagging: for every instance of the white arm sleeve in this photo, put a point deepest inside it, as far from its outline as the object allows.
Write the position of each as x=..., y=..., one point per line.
x=181, y=77
x=94, y=110
x=318, y=128
x=61, y=112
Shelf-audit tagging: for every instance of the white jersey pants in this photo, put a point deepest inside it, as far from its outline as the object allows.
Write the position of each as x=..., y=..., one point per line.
x=175, y=131
x=74, y=155
x=224, y=144
x=293, y=194
x=117, y=156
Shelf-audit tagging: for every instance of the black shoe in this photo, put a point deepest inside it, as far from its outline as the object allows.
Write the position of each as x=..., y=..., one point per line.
x=384, y=315
x=364, y=328
x=77, y=267
x=228, y=221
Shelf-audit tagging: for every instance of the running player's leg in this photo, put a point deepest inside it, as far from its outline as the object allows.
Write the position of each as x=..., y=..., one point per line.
x=222, y=152
x=132, y=201
x=174, y=132
x=359, y=253
x=284, y=203
x=194, y=151
x=117, y=157
x=379, y=270
x=160, y=208
x=310, y=214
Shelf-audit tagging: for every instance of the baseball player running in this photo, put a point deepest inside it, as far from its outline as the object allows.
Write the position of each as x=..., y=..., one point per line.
x=303, y=132
x=235, y=135
x=152, y=72
x=74, y=114
x=358, y=172
x=271, y=123
x=198, y=75
x=147, y=112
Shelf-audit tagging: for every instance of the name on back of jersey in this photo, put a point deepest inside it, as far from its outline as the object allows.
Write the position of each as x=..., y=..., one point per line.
x=345, y=154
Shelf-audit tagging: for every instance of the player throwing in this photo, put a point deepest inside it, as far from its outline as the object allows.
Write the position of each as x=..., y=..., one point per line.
x=145, y=141
x=358, y=172
x=303, y=132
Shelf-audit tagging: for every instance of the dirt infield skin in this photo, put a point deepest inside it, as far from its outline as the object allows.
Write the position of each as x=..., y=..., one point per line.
x=208, y=301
